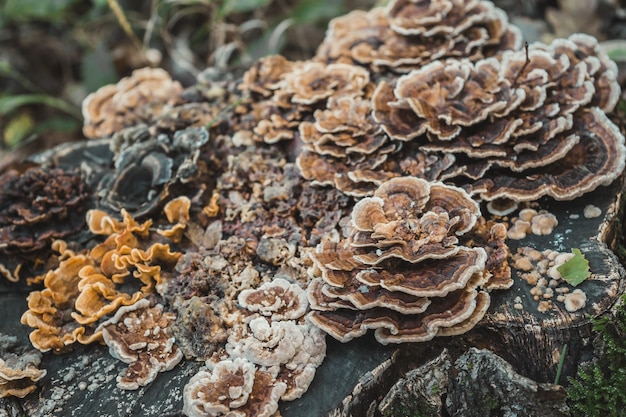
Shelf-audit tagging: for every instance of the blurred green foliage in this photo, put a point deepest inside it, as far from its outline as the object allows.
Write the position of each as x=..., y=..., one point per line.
x=599, y=388
x=106, y=39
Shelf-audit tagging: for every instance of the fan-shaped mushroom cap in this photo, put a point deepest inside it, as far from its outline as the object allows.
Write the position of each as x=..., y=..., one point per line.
x=597, y=159
x=35, y=207
x=148, y=167
x=49, y=310
x=177, y=212
x=232, y=387
x=19, y=373
x=138, y=334
x=266, y=75
x=408, y=34
x=278, y=300
x=393, y=327
x=87, y=287
x=523, y=125
x=400, y=264
x=141, y=97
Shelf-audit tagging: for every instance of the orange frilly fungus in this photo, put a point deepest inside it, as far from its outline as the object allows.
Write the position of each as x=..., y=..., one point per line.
x=85, y=287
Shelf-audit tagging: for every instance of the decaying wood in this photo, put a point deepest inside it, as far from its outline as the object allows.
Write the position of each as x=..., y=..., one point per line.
x=356, y=376
x=532, y=340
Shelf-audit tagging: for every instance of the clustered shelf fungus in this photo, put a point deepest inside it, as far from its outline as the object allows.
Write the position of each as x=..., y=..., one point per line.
x=466, y=104
x=270, y=355
x=36, y=207
x=409, y=34
x=527, y=124
x=238, y=222
x=19, y=369
x=139, y=335
x=87, y=286
x=402, y=270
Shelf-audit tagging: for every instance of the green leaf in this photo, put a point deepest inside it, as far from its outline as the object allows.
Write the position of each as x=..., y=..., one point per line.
x=97, y=68
x=576, y=270
x=25, y=10
x=11, y=103
x=240, y=6
x=313, y=11
x=17, y=129
x=618, y=54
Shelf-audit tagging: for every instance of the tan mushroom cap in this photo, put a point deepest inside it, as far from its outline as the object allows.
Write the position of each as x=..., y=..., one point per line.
x=483, y=301
x=358, y=296
x=433, y=279
x=278, y=299
x=144, y=94
x=87, y=287
x=138, y=335
x=398, y=121
x=409, y=34
x=49, y=309
x=413, y=221
x=266, y=75
x=300, y=372
x=177, y=213
x=520, y=120
x=269, y=343
x=603, y=70
x=20, y=373
x=346, y=37
x=232, y=387
x=400, y=262
x=392, y=327
x=596, y=160
x=315, y=81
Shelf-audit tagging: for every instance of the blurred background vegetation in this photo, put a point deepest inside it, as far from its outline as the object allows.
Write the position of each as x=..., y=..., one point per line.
x=54, y=52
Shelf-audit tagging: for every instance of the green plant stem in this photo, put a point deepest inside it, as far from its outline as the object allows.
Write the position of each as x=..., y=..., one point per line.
x=560, y=367
x=124, y=23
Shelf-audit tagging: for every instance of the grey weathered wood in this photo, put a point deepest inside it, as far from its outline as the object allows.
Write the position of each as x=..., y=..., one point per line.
x=532, y=340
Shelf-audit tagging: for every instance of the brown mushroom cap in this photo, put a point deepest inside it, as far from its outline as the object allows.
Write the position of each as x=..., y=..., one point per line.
x=434, y=278
x=234, y=387
x=521, y=120
x=393, y=327
x=35, y=208
x=19, y=373
x=596, y=160
x=139, y=335
x=140, y=97
x=409, y=34
x=278, y=299
x=400, y=264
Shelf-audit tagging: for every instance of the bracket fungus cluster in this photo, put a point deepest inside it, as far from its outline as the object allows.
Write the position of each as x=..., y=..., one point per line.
x=86, y=287
x=527, y=124
x=270, y=355
x=335, y=195
x=409, y=34
x=19, y=371
x=402, y=270
x=36, y=207
x=472, y=106
x=140, y=97
x=149, y=170
x=284, y=93
x=139, y=335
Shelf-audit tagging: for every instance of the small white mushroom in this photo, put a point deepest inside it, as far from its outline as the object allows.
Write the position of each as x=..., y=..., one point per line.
x=575, y=300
